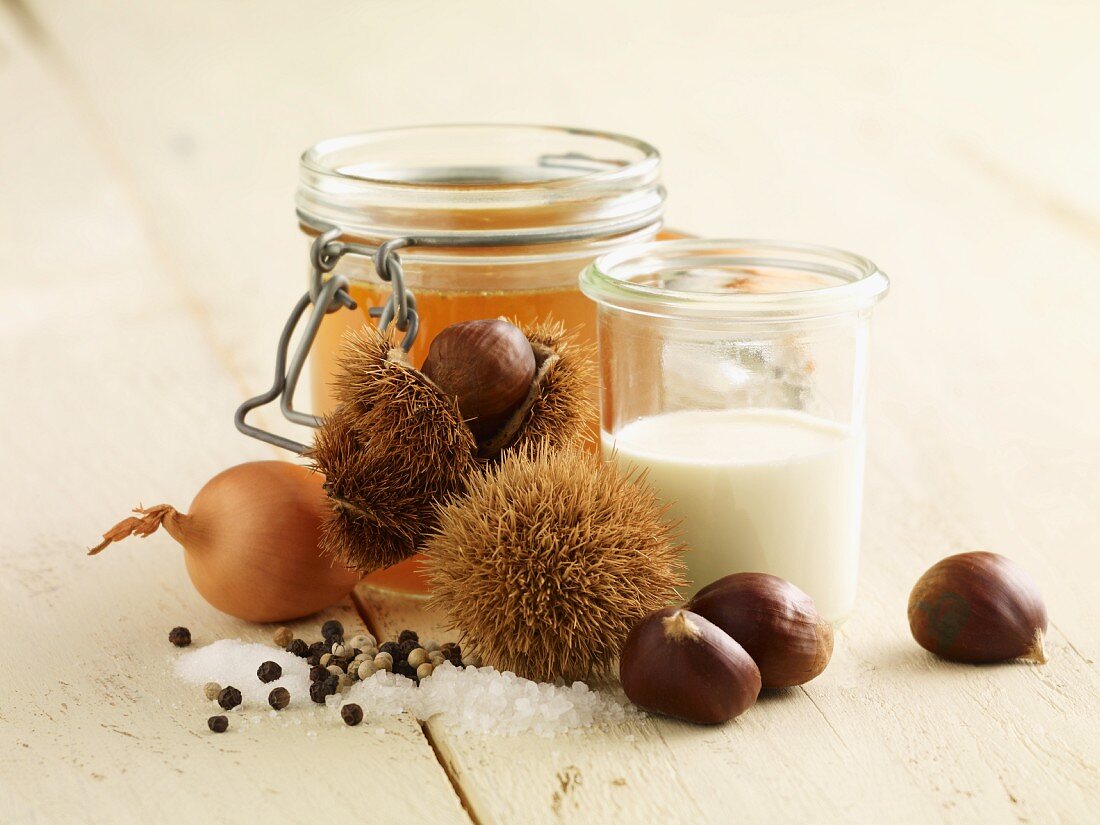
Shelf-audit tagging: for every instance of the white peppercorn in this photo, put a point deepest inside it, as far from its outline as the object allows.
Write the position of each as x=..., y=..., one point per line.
x=431, y=646
x=325, y=659
x=383, y=661
x=366, y=670
x=344, y=682
x=211, y=690
x=360, y=641
x=283, y=637
x=424, y=671
x=334, y=670
x=436, y=658
x=418, y=657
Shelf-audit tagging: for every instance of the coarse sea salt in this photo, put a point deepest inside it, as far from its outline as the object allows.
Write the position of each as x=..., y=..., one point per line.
x=466, y=700
x=233, y=662
x=484, y=700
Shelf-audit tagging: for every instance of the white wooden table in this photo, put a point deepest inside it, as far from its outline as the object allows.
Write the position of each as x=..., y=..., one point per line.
x=148, y=255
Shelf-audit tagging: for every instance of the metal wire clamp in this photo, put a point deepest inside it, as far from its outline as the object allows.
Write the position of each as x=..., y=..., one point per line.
x=329, y=295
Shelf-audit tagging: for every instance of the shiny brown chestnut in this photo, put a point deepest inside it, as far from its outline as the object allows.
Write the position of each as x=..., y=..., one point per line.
x=978, y=607
x=677, y=663
x=487, y=365
x=776, y=623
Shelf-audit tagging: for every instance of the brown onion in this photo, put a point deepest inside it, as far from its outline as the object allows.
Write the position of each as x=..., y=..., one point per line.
x=250, y=542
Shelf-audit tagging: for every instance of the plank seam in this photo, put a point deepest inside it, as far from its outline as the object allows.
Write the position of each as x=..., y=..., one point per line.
x=451, y=776
x=364, y=614
x=26, y=20
x=828, y=721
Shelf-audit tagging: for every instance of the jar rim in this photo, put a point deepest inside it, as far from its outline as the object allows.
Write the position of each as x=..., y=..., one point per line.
x=480, y=182
x=857, y=283
x=318, y=157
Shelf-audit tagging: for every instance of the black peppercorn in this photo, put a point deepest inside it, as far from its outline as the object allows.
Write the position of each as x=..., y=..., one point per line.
x=298, y=648
x=179, y=636
x=229, y=697
x=406, y=647
x=406, y=635
x=338, y=661
x=452, y=653
x=317, y=692
x=351, y=714
x=269, y=671
x=325, y=687
x=391, y=648
x=279, y=698
x=218, y=724
x=317, y=648
x=332, y=631
x=317, y=673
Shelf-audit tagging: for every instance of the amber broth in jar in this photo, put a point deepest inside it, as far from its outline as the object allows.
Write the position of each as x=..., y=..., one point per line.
x=439, y=310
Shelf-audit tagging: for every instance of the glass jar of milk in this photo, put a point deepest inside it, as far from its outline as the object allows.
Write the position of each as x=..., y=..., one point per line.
x=735, y=372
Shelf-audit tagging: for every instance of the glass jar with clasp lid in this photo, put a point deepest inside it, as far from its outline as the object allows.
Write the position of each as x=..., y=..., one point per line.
x=427, y=226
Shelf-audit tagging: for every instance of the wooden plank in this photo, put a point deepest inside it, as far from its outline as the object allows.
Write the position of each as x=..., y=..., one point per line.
x=112, y=395
x=778, y=760
x=831, y=124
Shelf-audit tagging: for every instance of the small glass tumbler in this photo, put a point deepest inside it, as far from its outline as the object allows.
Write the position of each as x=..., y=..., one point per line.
x=735, y=373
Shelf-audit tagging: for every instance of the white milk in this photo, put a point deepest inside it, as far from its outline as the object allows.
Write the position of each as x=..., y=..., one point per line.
x=762, y=490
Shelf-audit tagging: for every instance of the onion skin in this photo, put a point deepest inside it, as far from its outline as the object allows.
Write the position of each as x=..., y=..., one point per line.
x=775, y=621
x=251, y=542
x=677, y=663
x=978, y=607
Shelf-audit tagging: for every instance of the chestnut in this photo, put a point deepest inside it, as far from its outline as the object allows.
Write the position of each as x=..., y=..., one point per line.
x=776, y=623
x=487, y=366
x=978, y=607
x=677, y=663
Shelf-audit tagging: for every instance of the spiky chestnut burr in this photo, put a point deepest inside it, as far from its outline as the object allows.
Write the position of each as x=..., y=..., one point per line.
x=548, y=560
x=396, y=444
x=560, y=410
